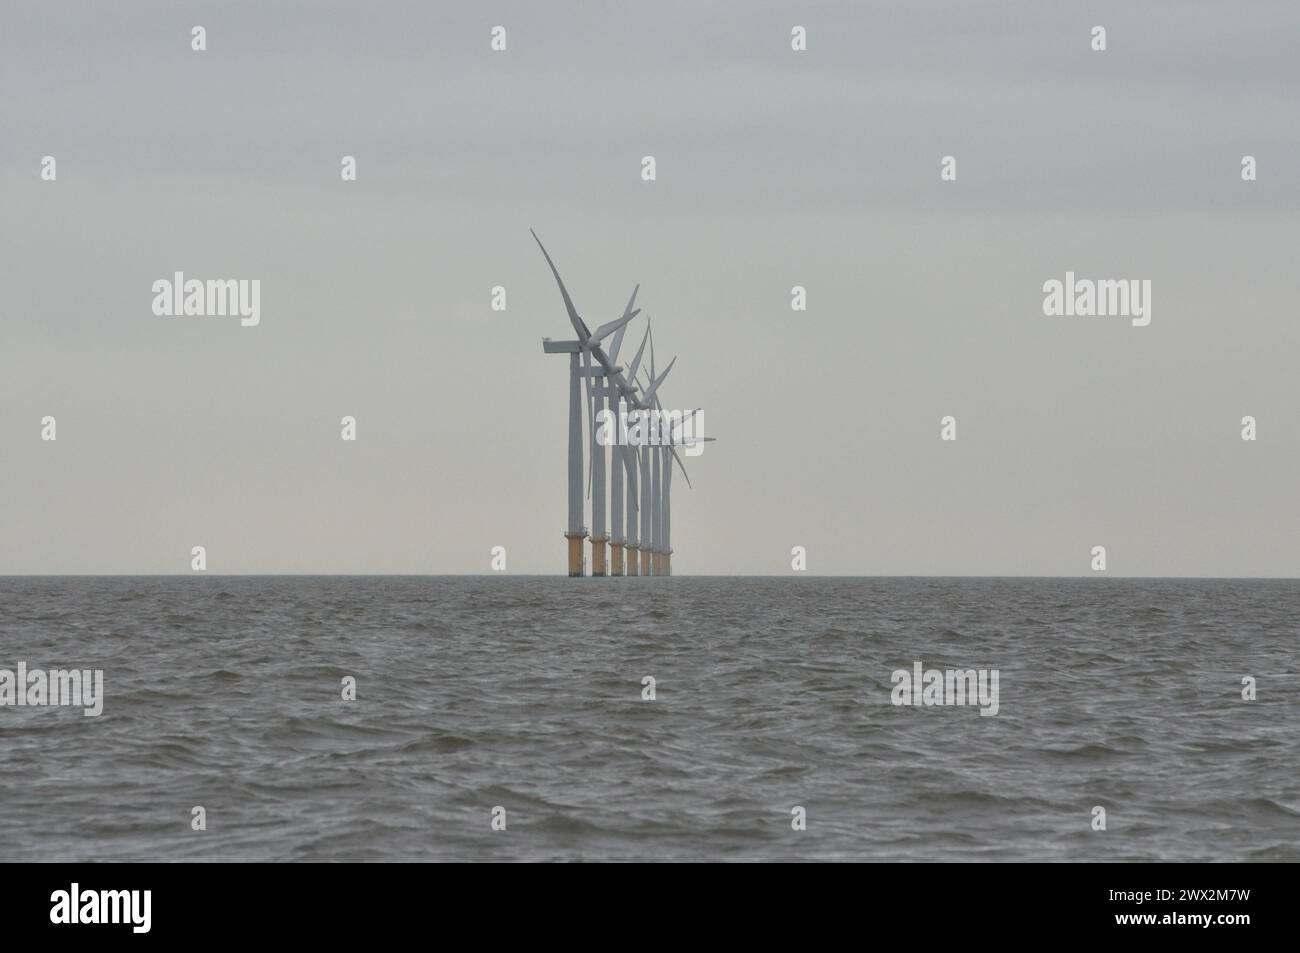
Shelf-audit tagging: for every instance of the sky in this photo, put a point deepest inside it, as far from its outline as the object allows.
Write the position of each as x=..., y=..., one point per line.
x=774, y=169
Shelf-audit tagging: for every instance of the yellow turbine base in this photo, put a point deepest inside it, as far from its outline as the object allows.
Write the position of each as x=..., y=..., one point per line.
x=575, y=554
x=598, y=557
x=616, y=560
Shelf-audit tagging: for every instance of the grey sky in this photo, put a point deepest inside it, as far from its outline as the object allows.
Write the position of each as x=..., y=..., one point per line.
x=774, y=169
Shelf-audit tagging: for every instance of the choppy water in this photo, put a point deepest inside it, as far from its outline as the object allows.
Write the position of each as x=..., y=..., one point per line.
x=526, y=693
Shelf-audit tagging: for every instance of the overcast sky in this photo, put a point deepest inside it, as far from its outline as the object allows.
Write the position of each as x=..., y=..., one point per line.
x=774, y=169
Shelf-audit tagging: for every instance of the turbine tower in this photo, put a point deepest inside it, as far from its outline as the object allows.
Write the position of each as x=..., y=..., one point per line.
x=670, y=454
x=596, y=488
x=633, y=550
x=665, y=511
x=576, y=532
x=647, y=513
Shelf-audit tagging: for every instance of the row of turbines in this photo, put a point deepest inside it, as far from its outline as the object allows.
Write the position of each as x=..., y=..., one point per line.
x=647, y=552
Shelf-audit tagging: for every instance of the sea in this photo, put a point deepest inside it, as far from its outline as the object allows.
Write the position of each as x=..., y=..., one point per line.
x=505, y=718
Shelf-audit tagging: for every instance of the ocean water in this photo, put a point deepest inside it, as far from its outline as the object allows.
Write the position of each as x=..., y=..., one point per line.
x=526, y=693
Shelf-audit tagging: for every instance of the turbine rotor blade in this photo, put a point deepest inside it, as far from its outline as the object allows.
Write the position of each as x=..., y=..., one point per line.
x=578, y=325
x=681, y=466
x=616, y=345
x=636, y=361
x=605, y=330
x=654, y=386
x=628, y=314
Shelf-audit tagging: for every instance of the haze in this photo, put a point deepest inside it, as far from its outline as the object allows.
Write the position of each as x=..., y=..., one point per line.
x=774, y=168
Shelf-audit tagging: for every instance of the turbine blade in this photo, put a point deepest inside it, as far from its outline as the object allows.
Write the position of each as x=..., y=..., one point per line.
x=685, y=419
x=681, y=466
x=578, y=325
x=636, y=361
x=628, y=314
x=616, y=345
x=605, y=330
x=654, y=386
x=676, y=430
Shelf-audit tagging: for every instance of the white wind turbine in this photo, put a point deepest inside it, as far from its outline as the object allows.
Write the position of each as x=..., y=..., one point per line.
x=651, y=491
x=654, y=528
x=587, y=345
x=626, y=457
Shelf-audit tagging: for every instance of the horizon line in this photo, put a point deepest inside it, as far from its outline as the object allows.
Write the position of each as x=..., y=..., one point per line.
x=560, y=575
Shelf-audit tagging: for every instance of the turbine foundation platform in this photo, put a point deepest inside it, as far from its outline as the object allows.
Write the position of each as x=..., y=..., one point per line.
x=575, y=552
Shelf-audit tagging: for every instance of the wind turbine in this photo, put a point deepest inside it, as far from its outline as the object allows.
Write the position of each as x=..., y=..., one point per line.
x=587, y=345
x=596, y=486
x=665, y=510
x=653, y=488
x=665, y=517
x=624, y=459
x=650, y=472
x=609, y=389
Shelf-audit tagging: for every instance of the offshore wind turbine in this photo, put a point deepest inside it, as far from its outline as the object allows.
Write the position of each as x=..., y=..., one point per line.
x=650, y=473
x=615, y=385
x=665, y=506
x=674, y=440
x=608, y=389
x=647, y=513
x=649, y=477
x=656, y=510
x=630, y=544
x=665, y=509
x=587, y=345
x=596, y=481
x=624, y=542
x=636, y=555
